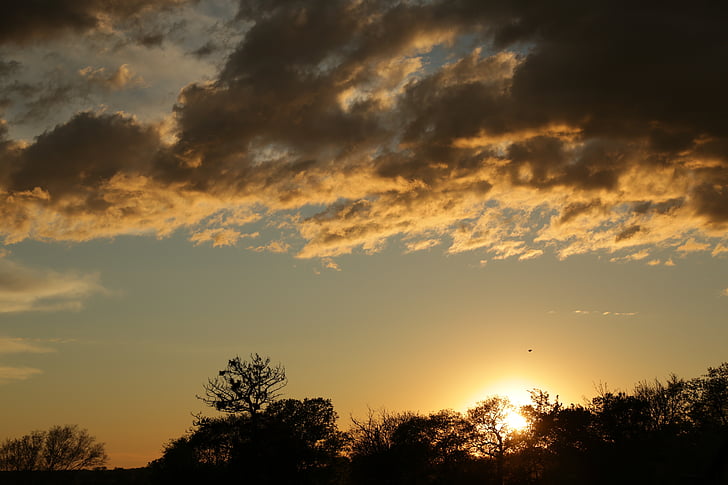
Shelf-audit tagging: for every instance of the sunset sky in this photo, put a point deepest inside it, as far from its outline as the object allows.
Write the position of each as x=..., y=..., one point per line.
x=394, y=199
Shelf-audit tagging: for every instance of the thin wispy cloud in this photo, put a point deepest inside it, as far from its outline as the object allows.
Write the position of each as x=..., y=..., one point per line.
x=11, y=374
x=15, y=345
x=24, y=289
x=605, y=313
x=346, y=119
x=330, y=264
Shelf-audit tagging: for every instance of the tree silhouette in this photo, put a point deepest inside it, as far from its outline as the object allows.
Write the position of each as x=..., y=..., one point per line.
x=670, y=432
x=558, y=441
x=245, y=386
x=490, y=433
x=59, y=448
x=371, y=444
x=22, y=453
x=291, y=442
x=432, y=448
x=262, y=440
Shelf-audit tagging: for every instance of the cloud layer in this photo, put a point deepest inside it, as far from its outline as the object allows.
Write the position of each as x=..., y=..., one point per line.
x=511, y=129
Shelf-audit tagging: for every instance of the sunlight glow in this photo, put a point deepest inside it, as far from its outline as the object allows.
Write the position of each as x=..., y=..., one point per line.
x=515, y=389
x=515, y=421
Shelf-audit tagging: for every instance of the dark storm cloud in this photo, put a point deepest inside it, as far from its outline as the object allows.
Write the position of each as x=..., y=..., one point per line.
x=47, y=97
x=32, y=20
x=8, y=67
x=205, y=50
x=581, y=125
x=84, y=152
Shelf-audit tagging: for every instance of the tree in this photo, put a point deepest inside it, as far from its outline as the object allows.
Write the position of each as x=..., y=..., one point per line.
x=22, y=453
x=263, y=440
x=59, y=448
x=205, y=453
x=371, y=444
x=299, y=442
x=432, y=448
x=490, y=433
x=558, y=441
x=291, y=442
x=245, y=387
x=709, y=395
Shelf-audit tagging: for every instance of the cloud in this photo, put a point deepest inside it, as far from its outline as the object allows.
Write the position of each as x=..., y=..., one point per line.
x=329, y=263
x=422, y=245
x=272, y=247
x=533, y=253
x=121, y=78
x=23, y=22
x=605, y=313
x=12, y=345
x=638, y=256
x=219, y=237
x=510, y=129
x=691, y=245
x=10, y=374
x=24, y=289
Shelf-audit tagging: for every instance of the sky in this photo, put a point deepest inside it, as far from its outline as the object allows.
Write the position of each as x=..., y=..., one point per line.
x=411, y=205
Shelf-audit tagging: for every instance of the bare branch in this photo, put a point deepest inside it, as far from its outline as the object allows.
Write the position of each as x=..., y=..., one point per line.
x=245, y=386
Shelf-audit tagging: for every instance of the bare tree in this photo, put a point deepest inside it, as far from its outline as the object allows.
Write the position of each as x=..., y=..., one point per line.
x=490, y=433
x=245, y=387
x=59, y=448
x=22, y=453
x=70, y=448
x=374, y=433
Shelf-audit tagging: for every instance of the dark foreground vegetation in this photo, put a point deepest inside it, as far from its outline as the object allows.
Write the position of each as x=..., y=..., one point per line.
x=673, y=432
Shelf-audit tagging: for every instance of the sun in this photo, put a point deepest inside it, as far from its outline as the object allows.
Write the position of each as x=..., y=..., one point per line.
x=515, y=421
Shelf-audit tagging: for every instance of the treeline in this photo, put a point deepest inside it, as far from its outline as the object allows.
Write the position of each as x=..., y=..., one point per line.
x=61, y=448
x=673, y=432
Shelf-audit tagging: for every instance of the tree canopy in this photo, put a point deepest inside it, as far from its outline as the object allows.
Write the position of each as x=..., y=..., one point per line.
x=667, y=432
x=60, y=448
x=245, y=386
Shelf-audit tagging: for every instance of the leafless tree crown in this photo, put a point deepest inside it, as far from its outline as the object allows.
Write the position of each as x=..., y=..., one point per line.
x=59, y=448
x=245, y=386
